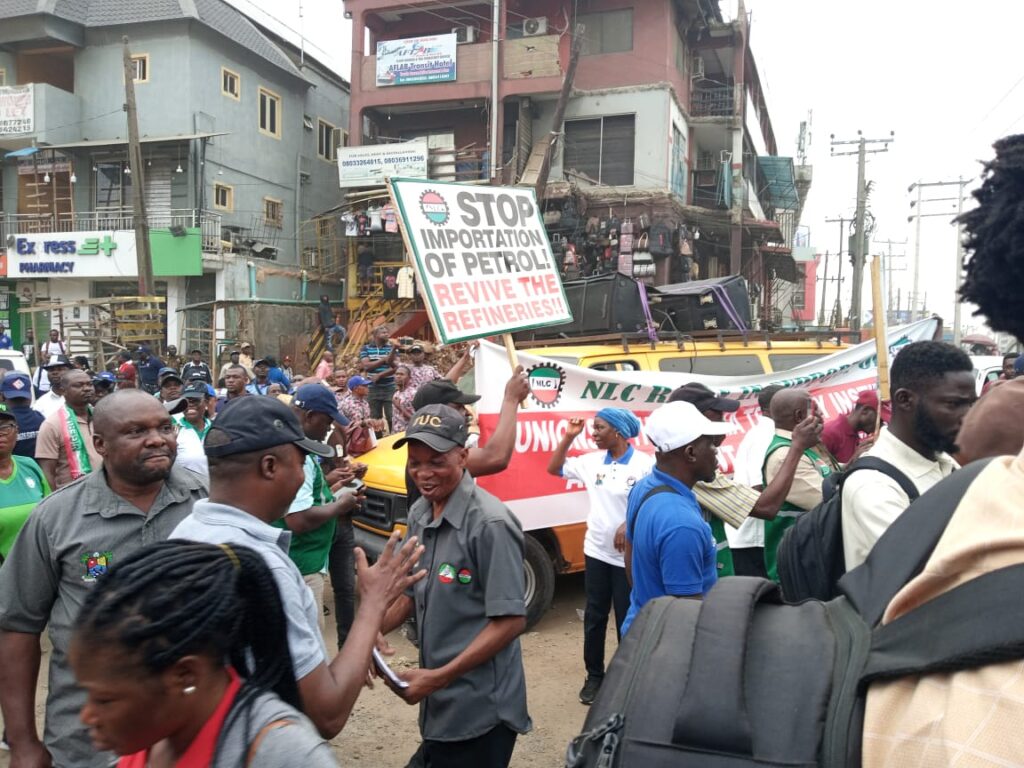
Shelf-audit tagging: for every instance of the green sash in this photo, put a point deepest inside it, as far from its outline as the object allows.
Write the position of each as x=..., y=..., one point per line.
x=79, y=463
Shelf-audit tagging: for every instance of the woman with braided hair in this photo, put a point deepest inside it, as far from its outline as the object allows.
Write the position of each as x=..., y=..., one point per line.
x=182, y=651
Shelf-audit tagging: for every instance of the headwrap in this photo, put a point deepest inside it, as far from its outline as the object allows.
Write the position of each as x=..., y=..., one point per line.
x=621, y=420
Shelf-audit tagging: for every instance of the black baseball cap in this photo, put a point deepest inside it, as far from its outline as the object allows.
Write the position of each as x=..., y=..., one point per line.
x=196, y=389
x=57, y=361
x=437, y=426
x=5, y=413
x=254, y=423
x=441, y=392
x=703, y=398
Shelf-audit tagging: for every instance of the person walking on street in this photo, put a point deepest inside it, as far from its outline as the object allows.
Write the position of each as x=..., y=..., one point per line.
x=149, y=368
x=48, y=350
x=470, y=684
x=256, y=450
x=196, y=367
x=17, y=393
x=127, y=376
x=191, y=667
x=236, y=383
x=315, y=513
x=67, y=543
x=669, y=546
x=325, y=367
x=791, y=407
x=193, y=424
x=22, y=483
x=53, y=398
x=608, y=475
x=843, y=434
x=261, y=384
x=378, y=361
x=420, y=371
x=401, y=401
x=65, y=448
x=932, y=388
x=28, y=348
x=5, y=339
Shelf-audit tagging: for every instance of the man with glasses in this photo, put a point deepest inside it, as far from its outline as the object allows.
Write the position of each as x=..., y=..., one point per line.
x=70, y=540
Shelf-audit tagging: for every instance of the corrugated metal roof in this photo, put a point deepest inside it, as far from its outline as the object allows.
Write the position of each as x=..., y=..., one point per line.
x=216, y=14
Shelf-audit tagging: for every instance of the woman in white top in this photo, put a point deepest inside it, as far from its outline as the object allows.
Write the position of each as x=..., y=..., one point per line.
x=608, y=474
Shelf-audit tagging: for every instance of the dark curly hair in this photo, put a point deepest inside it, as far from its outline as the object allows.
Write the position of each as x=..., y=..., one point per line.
x=995, y=240
x=176, y=598
x=918, y=364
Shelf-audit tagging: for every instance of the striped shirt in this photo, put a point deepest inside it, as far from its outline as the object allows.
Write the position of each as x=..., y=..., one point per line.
x=370, y=352
x=728, y=501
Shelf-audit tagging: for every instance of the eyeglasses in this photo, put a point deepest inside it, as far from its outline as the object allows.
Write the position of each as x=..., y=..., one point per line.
x=8, y=429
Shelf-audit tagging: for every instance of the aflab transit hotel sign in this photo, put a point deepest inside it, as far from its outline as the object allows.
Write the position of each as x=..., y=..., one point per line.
x=416, y=60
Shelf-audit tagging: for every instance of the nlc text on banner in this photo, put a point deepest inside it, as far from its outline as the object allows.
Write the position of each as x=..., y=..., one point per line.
x=483, y=258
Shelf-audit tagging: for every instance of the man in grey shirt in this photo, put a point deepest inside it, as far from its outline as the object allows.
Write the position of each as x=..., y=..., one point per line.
x=470, y=608
x=256, y=450
x=69, y=541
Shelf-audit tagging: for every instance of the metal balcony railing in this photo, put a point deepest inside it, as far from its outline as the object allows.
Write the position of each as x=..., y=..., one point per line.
x=712, y=102
x=103, y=220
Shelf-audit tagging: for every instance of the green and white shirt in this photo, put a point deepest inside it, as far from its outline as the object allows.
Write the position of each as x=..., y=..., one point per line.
x=19, y=495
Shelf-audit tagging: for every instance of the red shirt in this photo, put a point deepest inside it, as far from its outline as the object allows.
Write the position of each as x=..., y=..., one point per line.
x=840, y=438
x=126, y=375
x=200, y=752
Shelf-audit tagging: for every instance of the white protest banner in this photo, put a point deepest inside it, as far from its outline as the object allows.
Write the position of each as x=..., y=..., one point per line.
x=370, y=166
x=412, y=60
x=566, y=391
x=482, y=257
x=17, y=109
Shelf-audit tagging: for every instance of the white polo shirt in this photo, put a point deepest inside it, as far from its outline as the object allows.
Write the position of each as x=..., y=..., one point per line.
x=747, y=471
x=190, y=446
x=608, y=483
x=872, y=501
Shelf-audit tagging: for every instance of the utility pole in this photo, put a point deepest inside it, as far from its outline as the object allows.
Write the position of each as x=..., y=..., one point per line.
x=890, y=318
x=135, y=165
x=824, y=290
x=837, y=318
x=862, y=198
x=558, y=121
x=960, y=183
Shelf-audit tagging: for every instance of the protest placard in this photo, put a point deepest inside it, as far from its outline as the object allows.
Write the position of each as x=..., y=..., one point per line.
x=482, y=257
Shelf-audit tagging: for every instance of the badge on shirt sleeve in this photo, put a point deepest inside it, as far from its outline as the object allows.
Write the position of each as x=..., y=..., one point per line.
x=465, y=577
x=96, y=564
x=446, y=573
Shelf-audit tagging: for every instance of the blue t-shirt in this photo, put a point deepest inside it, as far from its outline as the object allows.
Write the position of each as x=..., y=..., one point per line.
x=5, y=341
x=673, y=549
x=149, y=371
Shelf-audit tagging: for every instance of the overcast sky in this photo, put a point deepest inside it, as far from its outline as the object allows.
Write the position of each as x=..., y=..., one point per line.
x=946, y=77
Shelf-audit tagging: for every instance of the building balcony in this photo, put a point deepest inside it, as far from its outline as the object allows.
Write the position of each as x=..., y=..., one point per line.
x=717, y=101
x=47, y=115
x=114, y=219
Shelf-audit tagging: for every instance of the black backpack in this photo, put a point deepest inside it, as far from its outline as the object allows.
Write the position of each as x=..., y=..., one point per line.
x=659, y=240
x=742, y=679
x=810, y=557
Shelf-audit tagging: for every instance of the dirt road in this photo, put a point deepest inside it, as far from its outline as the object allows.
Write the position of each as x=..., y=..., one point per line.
x=382, y=732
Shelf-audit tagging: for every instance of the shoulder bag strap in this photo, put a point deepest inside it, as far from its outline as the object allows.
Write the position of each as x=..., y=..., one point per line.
x=663, y=488
x=887, y=469
x=902, y=551
x=721, y=722
x=976, y=624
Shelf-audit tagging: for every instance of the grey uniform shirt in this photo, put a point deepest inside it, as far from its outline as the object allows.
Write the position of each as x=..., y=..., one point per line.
x=221, y=524
x=474, y=563
x=69, y=541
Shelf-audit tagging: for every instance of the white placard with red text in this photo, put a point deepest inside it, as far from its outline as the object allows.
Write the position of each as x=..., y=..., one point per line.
x=559, y=392
x=482, y=256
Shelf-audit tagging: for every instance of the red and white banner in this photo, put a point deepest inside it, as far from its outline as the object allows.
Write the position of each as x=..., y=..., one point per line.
x=559, y=392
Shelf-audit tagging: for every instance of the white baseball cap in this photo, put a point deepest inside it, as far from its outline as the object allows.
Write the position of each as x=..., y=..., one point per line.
x=680, y=423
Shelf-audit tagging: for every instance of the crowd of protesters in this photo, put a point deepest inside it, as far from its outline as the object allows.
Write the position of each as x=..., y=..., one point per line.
x=174, y=531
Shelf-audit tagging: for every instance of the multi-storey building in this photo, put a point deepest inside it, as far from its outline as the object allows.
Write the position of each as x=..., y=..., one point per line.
x=239, y=131
x=667, y=118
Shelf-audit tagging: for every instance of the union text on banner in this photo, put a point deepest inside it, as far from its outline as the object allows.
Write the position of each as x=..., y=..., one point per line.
x=483, y=258
x=561, y=392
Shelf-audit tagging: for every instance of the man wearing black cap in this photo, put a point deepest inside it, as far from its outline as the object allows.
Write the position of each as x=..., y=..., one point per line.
x=256, y=450
x=170, y=385
x=315, y=515
x=53, y=399
x=471, y=608
x=193, y=424
x=420, y=371
x=17, y=393
x=149, y=370
x=196, y=366
x=261, y=384
x=724, y=501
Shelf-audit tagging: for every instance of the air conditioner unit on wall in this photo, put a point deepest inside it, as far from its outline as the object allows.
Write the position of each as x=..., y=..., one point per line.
x=537, y=26
x=465, y=34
